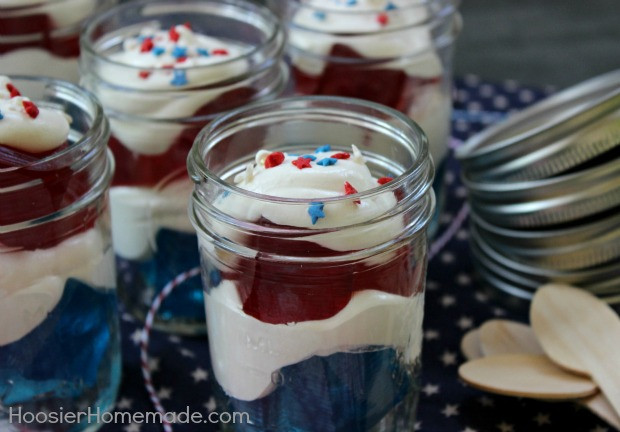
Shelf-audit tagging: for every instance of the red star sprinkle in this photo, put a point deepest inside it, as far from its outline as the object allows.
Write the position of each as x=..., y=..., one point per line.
x=31, y=109
x=302, y=163
x=181, y=59
x=219, y=52
x=147, y=45
x=144, y=74
x=341, y=155
x=350, y=190
x=384, y=180
x=12, y=90
x=383, y=19
x=274, y=159
x=168, y=66
x=187, y=25
x=173, y=34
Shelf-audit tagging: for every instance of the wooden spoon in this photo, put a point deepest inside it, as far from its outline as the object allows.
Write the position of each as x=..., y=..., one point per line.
x=580, y=333
x=508, y=337
x=525, y=375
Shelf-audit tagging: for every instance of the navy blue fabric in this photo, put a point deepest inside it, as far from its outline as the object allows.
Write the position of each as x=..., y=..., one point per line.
x=455, y=303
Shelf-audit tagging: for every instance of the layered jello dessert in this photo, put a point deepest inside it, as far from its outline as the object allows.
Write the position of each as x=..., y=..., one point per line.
x=59, y=335
x=163, y=70
x=43, y=35
x=313, y=257
x=394, y=52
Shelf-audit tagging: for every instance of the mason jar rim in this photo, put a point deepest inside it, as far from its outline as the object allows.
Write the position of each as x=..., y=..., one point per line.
x=87, y=141
x=199, y=172
x=87, y=45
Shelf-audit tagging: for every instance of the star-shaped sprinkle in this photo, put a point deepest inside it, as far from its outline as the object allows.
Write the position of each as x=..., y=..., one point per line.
x=1, y=115
x=178, y=52
x=173, y=34
x=144, y=74
x=215, y=277
x=147, y=45
x=350, y=190
x=327, y=162
x=320, y=15
x=274, y=159
x=390, y=6
x=13, y=92
x=384, y=180
x=351, y=2
x=220, y=52
x=383, y=19
x=311, y=157
x=316, y=211
x=341, y=155
x=302, y=163
x=202, y=52
x=31, y=109
x=324, y=149
x=158, y=51
x=179, y=79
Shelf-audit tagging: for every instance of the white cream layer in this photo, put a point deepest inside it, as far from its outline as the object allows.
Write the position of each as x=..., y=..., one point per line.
x=32, y=282
x=318, y=182
x=19, y=130
x=31, y=61
x=139, y=212
x=154, y=105
x=246, y=353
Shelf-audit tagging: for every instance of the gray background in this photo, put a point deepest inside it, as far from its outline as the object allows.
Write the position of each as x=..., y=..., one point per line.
x=541, y=42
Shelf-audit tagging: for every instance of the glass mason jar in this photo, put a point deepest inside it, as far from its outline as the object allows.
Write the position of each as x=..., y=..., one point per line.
x=154, y=121
x=43, y=35
x=393, y=52
x=59, y=331
x=314, y=328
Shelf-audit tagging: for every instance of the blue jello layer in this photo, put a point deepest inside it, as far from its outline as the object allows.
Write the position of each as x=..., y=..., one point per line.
x=75, y=350
x=343, y=392
x=140, y=281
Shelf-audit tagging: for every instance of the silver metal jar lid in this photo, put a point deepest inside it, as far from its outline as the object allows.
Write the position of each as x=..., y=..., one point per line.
x=546, y=122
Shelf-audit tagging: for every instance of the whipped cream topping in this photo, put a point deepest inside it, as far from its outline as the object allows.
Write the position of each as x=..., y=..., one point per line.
x=246, y=352
x=177, y=54
x=319, y=175
x=25, y=126
x=32, y=282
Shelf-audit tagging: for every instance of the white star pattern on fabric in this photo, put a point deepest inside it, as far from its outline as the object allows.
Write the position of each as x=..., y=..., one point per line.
x=431, y=335
x=499, y=312
x=468, y=429
x=505, y=427
x=187, y=353
x=450, y=410
x=432, y=285
x=124, y=404
x=164, y=393
x=481, y=297
x=430, y=389
x=154, y=364
x=210, y=405
x=465, y=323
x=448, y=300
x=174, y=339
x=136, y=336
x=200, y=375
x=462, y=234
x=134, y=427
x=486, y=401
x=448, y=358
x=542, y=419
x=447, y=258
x=127, y=317
x=417, y=426
x=463, y=279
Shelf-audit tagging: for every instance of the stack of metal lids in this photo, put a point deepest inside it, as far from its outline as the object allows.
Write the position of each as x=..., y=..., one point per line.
x=544, y=192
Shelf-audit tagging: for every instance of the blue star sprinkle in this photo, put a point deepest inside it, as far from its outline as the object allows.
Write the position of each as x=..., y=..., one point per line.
x=157, y=51
x=316, y=211
x=203, y=52
x=180, y=78
x=324, y=149
x=312, y=158
x=327, y=162
x=1, y=115
x=390, y=6
x=351, y=2
x=215, y=277
x=320, y=15
x=179, y=52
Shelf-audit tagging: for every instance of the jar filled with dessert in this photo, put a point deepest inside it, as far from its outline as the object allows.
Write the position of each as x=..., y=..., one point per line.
x=163, y=70
x=43, y=35
x=312, y=216
x=394, y=52
x=59, y=330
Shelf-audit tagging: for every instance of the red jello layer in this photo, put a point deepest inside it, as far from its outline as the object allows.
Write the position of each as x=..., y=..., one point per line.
x=48, y=191
x=37, y=31
x=134, y=169
x=279, y=292
x=391, y=87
